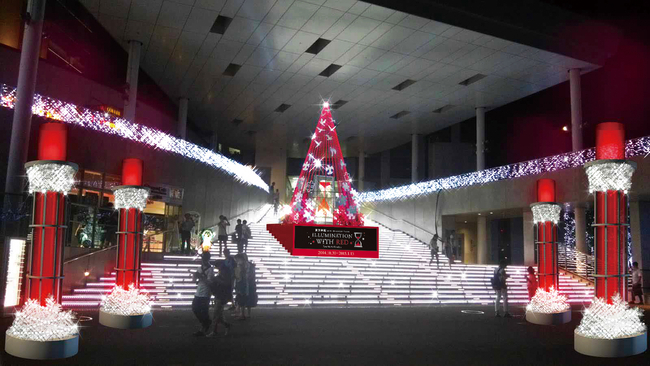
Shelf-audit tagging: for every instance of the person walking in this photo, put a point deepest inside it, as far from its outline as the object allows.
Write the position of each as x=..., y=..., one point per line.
x=222, y=232
x=201, y=302
x=272, y=193
x=246, y=234
x=222, y=295
x=433, y=245
x=186, y=234
x=449, y=252
x=239, y=236
x=637, y=283
x=501, y=288
x=241, y=283
x=276, y=201
x=531, y=281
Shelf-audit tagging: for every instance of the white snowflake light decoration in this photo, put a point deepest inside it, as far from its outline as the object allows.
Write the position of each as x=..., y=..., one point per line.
x=548, y=302
x=43, y=323
x=130, y=197
x=609, y=176
x=50, y=176
x=126, y=302
x=610, y=321
x=329, y=169
x=543, y=212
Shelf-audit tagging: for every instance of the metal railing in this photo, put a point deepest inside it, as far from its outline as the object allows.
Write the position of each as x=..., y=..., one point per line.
x=404, y=226
x=575, y=262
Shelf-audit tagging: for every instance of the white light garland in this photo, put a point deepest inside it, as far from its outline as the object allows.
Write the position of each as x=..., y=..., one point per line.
x=98, y=121
x=50, y=176
x=130, y=197
x=604, y=321
x=636, y=147
x=43, y=323
x=126, y=302
x=548, y=302
x=543, y=212
x=610, y=176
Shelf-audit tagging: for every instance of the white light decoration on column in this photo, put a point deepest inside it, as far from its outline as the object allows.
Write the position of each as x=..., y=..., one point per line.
x=610, y=175
x=53, y=176
x=99, y=121
x=43, y=323
x=546, y=212
x=126, y=302
x=130, y=197
x=548, y=302
x=604, y=321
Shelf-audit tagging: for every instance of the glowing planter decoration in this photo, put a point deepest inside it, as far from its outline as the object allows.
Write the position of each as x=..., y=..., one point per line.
x=126, y=309
x=42, y=332
x=611, y=330
x=548, y=308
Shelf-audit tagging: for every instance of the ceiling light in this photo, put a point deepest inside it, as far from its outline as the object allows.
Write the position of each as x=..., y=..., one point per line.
x=472, y=80
x=283, y=107
x=339, y=103
x=399, y=114
x=220, y=25
x=318, y=46
x=404, y=84
x=231, y=70
x=565, y=128
x=443, y=109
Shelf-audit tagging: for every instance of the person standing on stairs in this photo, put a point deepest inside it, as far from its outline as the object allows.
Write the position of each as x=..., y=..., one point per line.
x=239, y=236
x=246, y=234
x=222, y=232
x=449, y=252
x=201, y=302
x=433, y=245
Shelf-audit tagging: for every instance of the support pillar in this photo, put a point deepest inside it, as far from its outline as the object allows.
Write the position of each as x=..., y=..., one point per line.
x=581, y=229
x=414, y=158
x=482, y=240
x=133, y=68
x=480, y=138
x=22, y=120
x=182, y=118
x=362, y=168
x=576, y=109
x=546, y=215
x=529, y=238
x=610, y=178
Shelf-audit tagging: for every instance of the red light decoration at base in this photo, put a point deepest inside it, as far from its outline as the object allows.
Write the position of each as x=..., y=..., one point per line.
x=546, y=215
x=324, y=177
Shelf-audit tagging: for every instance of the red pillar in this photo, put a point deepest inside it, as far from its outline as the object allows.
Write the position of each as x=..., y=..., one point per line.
x=610, y=209
x=130, y=199
x=546, y=215
x=45, y=258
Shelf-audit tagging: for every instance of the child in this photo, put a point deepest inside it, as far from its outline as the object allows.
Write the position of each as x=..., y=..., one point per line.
x=531, y=279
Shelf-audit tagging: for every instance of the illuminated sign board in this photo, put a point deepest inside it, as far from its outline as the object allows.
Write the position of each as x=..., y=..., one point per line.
x=15, y=266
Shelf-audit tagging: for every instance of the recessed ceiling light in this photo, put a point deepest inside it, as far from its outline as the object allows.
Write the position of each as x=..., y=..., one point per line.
x=318, y=46
x=330, y=70
x=443, y=109
x=283, y=107
x=237, y=121
x=479, y=214
x=399, y=114
x=565, y=128
x=491, y=213
x=466, y=221
x=338, y=104
x=231, y=70
x=404, y=84
x=220, y=25
x=472, y=80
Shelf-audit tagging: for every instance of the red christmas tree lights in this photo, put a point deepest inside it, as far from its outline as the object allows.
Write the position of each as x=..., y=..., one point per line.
x=323, y=192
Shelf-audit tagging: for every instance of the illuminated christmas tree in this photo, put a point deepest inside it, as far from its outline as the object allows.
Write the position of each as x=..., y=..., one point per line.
x=323, y=192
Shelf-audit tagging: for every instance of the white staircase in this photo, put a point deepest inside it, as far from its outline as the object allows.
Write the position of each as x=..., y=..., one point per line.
x=401, y=276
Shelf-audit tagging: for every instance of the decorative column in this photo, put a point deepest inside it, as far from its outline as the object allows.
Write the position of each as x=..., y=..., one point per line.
x=127, y=307
x=133, y=68
x=547, y=306
x=576, y=109
x=609, y=328
x=41, y=330
x=182, y=118
x=480, y=138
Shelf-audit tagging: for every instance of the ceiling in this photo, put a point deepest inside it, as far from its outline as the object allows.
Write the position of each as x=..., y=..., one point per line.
x=376, y=48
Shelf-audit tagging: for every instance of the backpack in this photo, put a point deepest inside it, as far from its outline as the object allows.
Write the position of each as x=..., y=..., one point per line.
x=495, y=281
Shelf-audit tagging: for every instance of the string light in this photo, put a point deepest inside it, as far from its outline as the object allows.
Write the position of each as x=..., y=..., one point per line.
x=636, y=147
x=607, y=175
x=548, y=302
x=131, y=197
x=126, y=302
x=544, y=212
x=569, y=227
x=610, y=321
x=43, y=323
x=50, y=176
x=70, y=113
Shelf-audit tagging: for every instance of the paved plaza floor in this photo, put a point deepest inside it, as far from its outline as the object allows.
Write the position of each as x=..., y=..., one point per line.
x=337, y=336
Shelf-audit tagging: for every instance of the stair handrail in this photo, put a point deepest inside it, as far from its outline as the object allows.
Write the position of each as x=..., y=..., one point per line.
x=400, y=220
x=240, y=214
x=89, y=254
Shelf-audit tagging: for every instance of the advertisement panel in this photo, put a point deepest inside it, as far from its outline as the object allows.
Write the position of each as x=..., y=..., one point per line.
x=336, y=241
